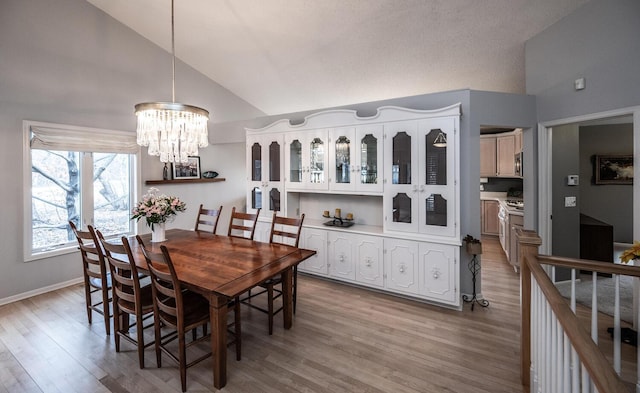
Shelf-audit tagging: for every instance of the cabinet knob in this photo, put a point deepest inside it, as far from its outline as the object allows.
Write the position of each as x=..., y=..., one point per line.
x=367, y=262
x=401, y=268
x=436, y=273
x=341, y=258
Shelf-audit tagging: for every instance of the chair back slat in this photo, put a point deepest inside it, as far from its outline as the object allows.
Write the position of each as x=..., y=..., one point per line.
x=208, y=218
x=286, y=227
x=243, y=224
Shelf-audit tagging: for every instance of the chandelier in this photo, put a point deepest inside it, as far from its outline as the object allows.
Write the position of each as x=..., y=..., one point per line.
x=172, y=130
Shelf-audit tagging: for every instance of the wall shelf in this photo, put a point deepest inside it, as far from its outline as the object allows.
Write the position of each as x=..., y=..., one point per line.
x=184, y=181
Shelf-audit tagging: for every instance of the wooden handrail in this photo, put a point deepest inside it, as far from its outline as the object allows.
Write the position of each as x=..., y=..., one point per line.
x=594, y=266
x=602, y=374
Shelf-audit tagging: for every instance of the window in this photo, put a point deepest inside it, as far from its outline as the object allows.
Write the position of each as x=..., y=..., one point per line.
x=77, y=174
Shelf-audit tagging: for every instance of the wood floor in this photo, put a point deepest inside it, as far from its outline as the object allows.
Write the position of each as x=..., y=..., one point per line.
x=344, y=339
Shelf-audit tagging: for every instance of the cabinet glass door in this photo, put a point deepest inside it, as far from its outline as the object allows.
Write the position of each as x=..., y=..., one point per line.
x=401, y=159
x=436, y=158
x=295, y=161
x=402, y=208
x=256, y=162
x=343, y=160
x=369, y=159
x=317, y=160
x=274, y=200
x=274, y=161
x=437, y=189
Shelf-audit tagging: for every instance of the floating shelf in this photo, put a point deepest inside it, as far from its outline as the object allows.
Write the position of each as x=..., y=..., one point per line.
x=184, y=181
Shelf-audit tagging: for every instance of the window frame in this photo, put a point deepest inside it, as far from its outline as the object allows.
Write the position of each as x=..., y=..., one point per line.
x=86, y=179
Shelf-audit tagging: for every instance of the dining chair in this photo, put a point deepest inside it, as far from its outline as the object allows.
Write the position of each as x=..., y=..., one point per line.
x=95, y=274
x=284, y=230
x=209, y=218
x=181, y=310
x=129, y=296
x=243, y=224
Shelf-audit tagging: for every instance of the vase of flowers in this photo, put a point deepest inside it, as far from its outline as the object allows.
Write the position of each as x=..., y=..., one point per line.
x=157, y=210
x=631, y=254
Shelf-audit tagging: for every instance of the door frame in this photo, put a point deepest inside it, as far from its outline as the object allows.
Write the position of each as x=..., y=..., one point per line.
x=545, y=190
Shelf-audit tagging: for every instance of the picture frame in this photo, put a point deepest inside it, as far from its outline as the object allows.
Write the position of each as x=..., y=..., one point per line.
x=613, y=169
x=188, y=170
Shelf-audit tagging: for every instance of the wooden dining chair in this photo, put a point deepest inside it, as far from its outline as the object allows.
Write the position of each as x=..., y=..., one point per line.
x=95, y=274
x=181, y=310
x=207, y=218
x=243, y=224
x=129, y=296
x=286, y=231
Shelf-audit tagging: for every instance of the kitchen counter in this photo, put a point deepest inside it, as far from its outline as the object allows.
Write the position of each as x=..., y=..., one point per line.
x=502, y=198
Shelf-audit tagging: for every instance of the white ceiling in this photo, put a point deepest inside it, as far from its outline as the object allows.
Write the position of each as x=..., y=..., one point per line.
x=292, y=55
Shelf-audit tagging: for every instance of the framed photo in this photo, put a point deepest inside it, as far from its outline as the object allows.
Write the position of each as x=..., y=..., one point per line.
x=613, y=169
x=188, y=170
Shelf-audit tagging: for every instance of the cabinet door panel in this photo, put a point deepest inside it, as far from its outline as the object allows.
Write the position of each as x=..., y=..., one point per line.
x=488, y=156
x=505, y=157
x=341, y=261
x=369, y=266
x=437, y=272
x=490, y=223
x=401, y=266
x=315, y=239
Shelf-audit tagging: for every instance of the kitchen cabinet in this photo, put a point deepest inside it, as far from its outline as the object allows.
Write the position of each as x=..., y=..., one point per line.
x=505, y=156
x=490, y=221
x=265, y=174
x=420, y=194
x=488, y=156
x=355, y=157
x=518, y=140
x=497, y=154
x=515, y=222
x=306, y=160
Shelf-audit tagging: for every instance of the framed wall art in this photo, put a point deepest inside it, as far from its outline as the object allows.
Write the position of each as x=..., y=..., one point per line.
x=188, y=170
x=613, y=169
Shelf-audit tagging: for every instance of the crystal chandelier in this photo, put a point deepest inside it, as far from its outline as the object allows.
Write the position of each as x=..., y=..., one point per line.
x=172, y=130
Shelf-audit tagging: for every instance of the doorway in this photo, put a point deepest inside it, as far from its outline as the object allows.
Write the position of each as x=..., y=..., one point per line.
x=567, y=189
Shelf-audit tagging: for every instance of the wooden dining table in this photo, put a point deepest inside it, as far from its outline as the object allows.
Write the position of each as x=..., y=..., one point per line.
x=221, y=268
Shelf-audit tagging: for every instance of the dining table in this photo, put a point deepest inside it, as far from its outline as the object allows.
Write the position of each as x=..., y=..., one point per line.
x=220, y=268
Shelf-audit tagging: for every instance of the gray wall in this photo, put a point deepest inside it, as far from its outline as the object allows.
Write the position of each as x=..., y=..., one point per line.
x=566, y=220
x=599, y=42
x=68, y=62
x=611, y=203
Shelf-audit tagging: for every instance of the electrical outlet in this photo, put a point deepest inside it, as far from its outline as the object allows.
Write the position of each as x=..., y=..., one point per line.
x=570, y=201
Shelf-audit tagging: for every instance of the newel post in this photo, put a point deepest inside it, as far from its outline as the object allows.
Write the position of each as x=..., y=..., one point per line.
x=529, y=242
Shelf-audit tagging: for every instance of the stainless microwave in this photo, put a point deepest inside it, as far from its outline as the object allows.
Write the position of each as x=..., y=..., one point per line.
x=519, y=159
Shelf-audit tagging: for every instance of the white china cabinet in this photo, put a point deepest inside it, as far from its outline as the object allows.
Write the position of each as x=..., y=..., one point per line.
x=396, y=170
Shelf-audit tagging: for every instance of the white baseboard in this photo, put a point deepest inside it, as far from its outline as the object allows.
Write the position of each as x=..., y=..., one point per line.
x=39, y=291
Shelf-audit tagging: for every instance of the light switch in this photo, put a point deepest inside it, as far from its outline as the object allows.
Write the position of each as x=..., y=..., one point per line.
x=572, y=180
x=570, y=201
x=579, y=84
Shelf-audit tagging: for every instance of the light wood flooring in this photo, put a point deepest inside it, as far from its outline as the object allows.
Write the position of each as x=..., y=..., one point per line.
x=344, y=339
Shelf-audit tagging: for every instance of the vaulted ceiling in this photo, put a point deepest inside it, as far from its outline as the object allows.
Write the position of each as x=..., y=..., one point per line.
x=293, y=55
